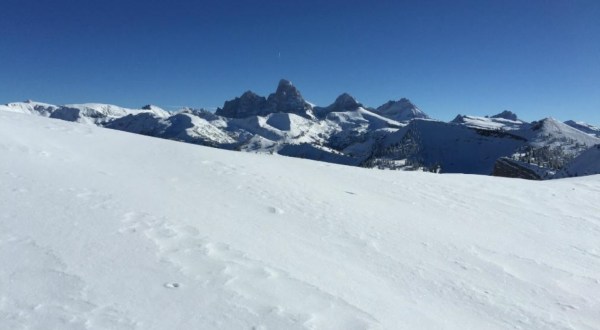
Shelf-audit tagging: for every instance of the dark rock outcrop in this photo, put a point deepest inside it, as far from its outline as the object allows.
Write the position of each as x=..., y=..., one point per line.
x=249, y=104
x=344, y=102
x=506, y=115
x=286, y=99
x=508, y=168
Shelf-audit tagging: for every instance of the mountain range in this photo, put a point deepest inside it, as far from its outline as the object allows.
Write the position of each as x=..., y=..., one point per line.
x=396, y=135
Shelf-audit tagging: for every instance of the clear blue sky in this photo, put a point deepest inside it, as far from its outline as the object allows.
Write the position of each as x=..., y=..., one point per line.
x=536, y=58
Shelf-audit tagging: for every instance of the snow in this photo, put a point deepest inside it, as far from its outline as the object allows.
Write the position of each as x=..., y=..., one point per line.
x=551, y=132
x=30, y=107
x=588, y=163
x=87, y=113
x=584, y=127
x=488, y=123
x=101, y=229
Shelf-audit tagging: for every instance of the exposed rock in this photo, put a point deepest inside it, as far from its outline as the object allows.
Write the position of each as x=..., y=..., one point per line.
x=288, y=99
x=506, y=115
x=459, y=119
x=508, y=168
x=249, y=104
x=344, y=102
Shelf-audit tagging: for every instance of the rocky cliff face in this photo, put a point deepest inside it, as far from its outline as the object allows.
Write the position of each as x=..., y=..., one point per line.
x=508, y=168
x=249, y=104
x=286, y=99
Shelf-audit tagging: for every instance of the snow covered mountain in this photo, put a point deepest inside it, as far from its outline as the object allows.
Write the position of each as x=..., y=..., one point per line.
x=396, y=135
x=95, y=113
x=551, y=146
x=105, y=230
x=505, y=120
x=402, y=110
x=584, y=127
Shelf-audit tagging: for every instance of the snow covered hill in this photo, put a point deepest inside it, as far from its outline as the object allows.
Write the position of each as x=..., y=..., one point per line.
x=101, y=229
x=89, y=113
x=588, y=163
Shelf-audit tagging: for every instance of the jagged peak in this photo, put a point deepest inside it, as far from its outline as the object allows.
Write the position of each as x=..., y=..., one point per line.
x=249, y=94
x=285, y=88
x=404, y=102
x=506, y=114
x=287, y=98
x=283, y=83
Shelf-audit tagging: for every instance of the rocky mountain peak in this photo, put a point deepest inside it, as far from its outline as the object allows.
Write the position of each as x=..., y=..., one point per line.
x=285, y=85
x=287, y=98
x=249, y=104
x=346, y=101
x=459, y=119
x=506, y=115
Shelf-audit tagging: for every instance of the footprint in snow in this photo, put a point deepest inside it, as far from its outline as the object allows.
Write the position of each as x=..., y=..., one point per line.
x=275, y=210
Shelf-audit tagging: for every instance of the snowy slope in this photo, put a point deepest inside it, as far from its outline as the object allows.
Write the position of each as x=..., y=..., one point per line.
x=101, y=229
x=402, y=110
x=553, y=133
x=182, y=126
x=588, y=163
x=491, y=123
x=584, y=127
x=30, y=107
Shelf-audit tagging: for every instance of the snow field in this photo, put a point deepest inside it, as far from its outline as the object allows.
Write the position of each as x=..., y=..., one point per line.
x=101, y=229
